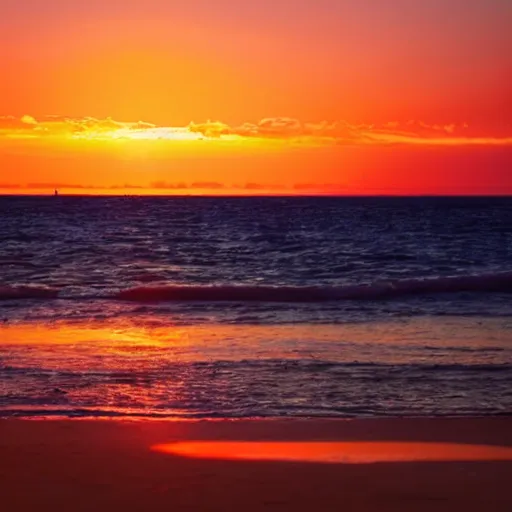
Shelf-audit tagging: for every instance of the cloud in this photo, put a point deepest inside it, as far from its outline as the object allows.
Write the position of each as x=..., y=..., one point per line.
x=205, y=185
x=53, y=185
x=284, y=130
x=268, y=127
x=316, y=187
x=177, y=186
x=208, y=185
x=125, y=186
x=280, y=127
x=255, y=186
x=13, y=124
x=167, y=185
x=28, y=120
x=412, y=140
x=212, y=129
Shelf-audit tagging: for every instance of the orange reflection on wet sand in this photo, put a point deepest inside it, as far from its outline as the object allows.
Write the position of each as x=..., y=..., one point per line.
x=255, y=341
x=68, y=334
x=336, y=452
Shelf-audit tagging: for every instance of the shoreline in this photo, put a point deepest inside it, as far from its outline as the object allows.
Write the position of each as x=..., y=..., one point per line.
x=470, y=429
x=107, y=464
x=168, y=418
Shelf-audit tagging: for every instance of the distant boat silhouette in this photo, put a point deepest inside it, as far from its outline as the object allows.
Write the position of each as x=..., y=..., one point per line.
x=56, y=192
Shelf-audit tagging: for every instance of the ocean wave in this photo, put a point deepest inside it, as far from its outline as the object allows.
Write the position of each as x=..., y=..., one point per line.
x=486, y=283
x=27, y=292
x=274, y=365
x=501, y=282
x=461, y=349
x=318, y=412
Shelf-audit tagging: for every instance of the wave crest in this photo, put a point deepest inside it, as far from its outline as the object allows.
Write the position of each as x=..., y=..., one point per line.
x=500, y=282
x=482, y=283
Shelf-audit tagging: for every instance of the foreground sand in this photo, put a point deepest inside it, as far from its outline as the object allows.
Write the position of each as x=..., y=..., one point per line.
x=77, y=465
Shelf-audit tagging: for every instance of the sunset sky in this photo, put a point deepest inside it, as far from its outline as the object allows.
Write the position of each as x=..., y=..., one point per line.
x=273, y=96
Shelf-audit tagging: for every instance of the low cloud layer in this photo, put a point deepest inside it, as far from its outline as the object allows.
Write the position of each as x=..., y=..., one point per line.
x=167, y=187
x=284, y=129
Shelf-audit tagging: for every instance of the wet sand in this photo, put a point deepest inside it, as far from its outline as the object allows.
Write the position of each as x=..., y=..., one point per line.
x=80, y=465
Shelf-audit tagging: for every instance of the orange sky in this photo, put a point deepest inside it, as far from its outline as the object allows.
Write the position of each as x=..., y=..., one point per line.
x=281, y=96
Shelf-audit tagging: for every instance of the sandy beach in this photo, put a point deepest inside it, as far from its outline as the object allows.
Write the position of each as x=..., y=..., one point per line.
x=83, y=465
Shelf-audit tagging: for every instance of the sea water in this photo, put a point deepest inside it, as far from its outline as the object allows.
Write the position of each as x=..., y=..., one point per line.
x=255, y=307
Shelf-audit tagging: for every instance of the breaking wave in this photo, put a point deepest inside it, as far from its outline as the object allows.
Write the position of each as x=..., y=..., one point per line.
x=488, y=283
x=483, y=283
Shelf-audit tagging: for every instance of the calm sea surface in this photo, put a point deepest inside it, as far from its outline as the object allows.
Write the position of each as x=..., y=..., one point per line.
x=251, y=307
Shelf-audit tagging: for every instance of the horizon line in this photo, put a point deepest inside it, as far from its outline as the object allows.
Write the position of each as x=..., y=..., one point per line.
x=280, y=194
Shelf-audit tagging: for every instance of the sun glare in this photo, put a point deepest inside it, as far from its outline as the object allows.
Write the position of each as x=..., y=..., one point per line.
x=157, y=133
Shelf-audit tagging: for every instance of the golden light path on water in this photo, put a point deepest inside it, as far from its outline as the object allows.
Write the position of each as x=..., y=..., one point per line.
x=336, y=452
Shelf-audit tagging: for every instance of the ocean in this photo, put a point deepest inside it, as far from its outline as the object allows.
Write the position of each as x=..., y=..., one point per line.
x=230, y=307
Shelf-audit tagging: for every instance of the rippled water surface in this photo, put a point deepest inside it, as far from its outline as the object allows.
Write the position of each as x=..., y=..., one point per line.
x=209, y=307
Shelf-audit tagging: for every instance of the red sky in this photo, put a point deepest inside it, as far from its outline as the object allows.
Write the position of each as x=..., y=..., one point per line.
x=287, y=96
